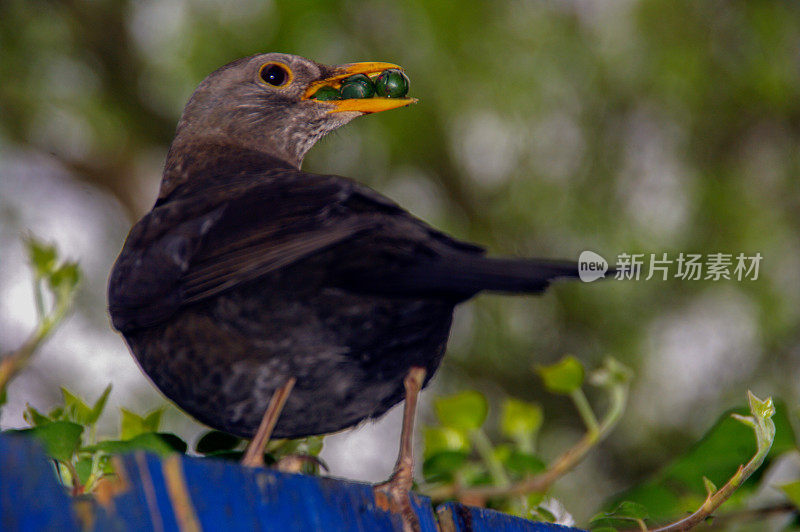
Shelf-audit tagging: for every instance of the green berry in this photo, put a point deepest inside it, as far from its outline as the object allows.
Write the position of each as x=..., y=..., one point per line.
x=391, y=83
x=358, y=86
x=327, y=93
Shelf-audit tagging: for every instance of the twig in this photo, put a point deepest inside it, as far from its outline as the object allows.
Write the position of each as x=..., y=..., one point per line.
x=14, y=362
x=722, y=521
x=762, y=424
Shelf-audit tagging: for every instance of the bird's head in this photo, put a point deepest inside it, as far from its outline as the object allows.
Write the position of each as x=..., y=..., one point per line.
x=266, y=102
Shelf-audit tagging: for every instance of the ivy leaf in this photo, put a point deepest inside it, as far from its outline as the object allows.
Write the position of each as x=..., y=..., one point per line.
x=60, y=438
x=159, y=443
x=75, y=408
x=99, y=406
x=544, y=514
x=65, y=278
x=215, y=441
x=153, y=420
x=563, y=377
x=174, y=442
x=42, y=256
x=441, y=467
x=619, y=517
x=438, y=439
x=792, y=492
x=709, y=485
x=463, y=411
x=133, y=424
x=520, y=420
x=679, y=486
x=523, y=463
x=34, y=417
x=56, y=413
x=84, y=469
x=312, y=445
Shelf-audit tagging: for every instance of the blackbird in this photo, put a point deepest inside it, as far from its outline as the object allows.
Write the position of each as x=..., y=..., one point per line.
x=250, y=275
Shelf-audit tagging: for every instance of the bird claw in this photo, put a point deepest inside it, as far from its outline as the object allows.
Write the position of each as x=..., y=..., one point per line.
x=394, y=495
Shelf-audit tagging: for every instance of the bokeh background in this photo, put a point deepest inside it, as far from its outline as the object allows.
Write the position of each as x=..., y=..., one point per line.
x=544, y=128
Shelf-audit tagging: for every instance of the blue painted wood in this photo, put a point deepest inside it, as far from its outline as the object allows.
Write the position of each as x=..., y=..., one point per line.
x=186, y=494
x=468, y=519
x=226, y=496
x=30, y=496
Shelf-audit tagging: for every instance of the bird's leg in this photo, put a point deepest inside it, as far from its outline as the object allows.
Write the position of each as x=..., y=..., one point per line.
x=254, y=454
x=394, y=493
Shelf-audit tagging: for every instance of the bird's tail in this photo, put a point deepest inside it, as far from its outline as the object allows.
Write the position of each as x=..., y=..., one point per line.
x=460, y=276
x=476, y=274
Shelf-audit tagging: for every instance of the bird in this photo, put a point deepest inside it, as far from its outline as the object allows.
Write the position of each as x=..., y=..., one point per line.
x=252, y=282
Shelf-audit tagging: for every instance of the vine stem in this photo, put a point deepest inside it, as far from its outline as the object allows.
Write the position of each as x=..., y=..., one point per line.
x=764, y=428
x=16, y=361
x=564, y=463
x=485, y=450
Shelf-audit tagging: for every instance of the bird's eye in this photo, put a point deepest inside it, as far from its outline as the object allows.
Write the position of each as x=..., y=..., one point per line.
x=275, y=74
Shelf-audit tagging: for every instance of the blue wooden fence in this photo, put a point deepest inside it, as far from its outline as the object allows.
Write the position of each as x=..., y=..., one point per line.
x=188, y=494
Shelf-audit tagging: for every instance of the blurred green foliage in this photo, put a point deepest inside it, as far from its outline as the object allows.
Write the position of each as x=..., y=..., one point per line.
x=544, y=128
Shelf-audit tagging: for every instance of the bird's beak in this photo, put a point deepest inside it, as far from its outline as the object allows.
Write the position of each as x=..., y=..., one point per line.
x=365, y=105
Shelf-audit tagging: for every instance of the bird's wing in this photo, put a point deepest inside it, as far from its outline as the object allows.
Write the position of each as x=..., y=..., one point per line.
x=189, y=249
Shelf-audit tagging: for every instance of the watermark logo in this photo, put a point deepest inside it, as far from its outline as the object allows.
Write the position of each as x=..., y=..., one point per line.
x=591, y=266
x=684, y=266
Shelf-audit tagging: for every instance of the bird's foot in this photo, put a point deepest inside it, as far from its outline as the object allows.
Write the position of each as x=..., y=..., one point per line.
x=293, y=463
x=395, y=495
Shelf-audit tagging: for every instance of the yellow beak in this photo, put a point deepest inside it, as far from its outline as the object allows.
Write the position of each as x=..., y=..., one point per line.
x=366, y=105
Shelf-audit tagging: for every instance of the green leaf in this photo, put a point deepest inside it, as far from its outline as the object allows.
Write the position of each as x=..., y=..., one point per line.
x=523, y=464
x=463, y=411
x=175, y=442
x=441, y=467
x=34, y=417
x=520, y=420
x=84, y=469
x=106, y=465
x=763, y=409
x=153, y=420
x=631, y=510
x=133, y=424
x=65, y=278
x=75, y=408
x=679, y=487
x=563, y=377
x=60, y=438
x=311, y=445
x=99, y=406
x=620, y=517
x=216, y=441
x=42, y=256
x=534, y=499
x=438, y=439
x=792, y=492
x=544, y=514
x=159, y=443
x=710, y=486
